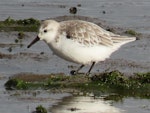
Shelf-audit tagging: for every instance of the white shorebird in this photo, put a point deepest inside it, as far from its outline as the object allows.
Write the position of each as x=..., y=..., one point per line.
x=80, y=41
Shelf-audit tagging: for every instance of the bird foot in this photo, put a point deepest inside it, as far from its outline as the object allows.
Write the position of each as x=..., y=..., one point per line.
x=73, y=72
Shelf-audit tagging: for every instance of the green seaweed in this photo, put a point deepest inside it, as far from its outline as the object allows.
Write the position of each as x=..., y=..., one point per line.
x=15, y=84
x=28, y=25
x=40, y=109
x=131, y=32
x=107, y=82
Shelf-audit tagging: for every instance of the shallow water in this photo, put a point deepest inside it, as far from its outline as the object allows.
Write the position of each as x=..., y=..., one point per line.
x=83, y=104
x=133, y=57
x=90, y=104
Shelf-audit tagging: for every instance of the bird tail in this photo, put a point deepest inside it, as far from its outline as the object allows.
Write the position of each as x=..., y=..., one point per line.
x=123, y=39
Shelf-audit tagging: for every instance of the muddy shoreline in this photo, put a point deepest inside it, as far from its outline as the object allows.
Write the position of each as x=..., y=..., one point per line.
x=15, y=58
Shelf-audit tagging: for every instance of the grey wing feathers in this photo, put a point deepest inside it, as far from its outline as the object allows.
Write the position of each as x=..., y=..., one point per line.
x=91, y=34
x=118, y=39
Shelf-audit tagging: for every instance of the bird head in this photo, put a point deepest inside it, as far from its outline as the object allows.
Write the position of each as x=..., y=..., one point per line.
x=47, y=32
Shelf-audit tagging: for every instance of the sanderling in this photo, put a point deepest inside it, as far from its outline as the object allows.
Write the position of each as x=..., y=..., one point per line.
x=80, y=41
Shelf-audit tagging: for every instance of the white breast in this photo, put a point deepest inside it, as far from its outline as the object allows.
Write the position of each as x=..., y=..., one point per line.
x=78, y=53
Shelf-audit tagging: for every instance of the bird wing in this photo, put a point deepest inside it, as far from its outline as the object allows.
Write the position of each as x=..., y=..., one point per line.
x=87, y=33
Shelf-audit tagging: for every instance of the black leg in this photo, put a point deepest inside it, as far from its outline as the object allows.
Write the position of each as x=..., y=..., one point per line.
x=80, y=68
x=90, y=68
x=74, y=72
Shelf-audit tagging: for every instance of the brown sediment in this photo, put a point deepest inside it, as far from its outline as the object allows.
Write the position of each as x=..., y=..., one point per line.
x=3, y=45
x=6, y=56
x=34, y=56
x=31, y=77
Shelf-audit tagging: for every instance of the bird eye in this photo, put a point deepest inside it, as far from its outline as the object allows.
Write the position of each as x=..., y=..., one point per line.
x=45, y=31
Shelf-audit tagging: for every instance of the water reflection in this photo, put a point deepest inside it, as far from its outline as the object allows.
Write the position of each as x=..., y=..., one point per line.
x=84, y=104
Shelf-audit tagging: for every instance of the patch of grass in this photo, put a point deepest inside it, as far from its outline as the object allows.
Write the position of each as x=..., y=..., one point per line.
x=29, y=21
x=18, y=84
x=109, y=82
x=15, y=84
x=142, y=77
x=29, y=25
x=117, y=79
x=113, y=78
x=131, y=32
x=116, y=82
x=40, y=109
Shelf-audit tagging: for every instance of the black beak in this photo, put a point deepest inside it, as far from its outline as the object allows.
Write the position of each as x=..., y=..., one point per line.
x=33, y=42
